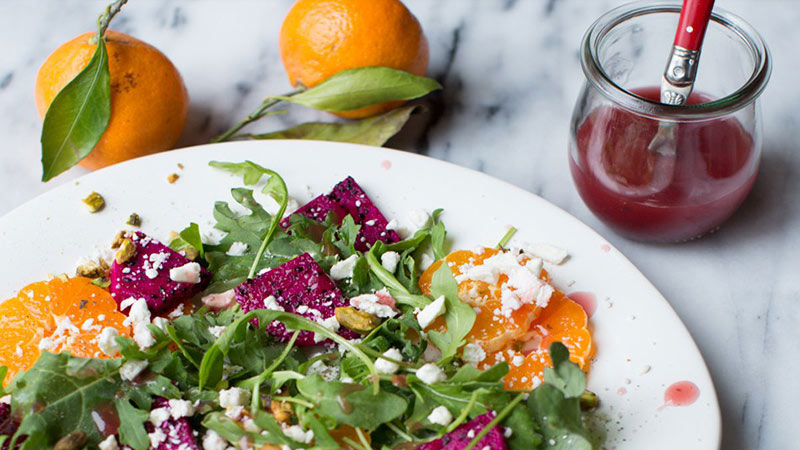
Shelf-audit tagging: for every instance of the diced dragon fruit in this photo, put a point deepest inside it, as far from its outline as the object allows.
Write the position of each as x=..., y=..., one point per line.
x=8, y=426
x=461, y=436
x=299, y=286
x=178, y=432
x=146, y=276
x=347, y=197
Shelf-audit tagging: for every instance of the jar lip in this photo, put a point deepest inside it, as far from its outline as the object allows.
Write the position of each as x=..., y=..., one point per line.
x=742, y=97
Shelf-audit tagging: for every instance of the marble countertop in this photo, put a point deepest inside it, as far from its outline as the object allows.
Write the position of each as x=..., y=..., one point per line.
x=511, y=75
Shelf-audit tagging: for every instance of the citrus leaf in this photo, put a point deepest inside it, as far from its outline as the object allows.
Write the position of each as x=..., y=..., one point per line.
x=371, y=131
x=364, y=86
x=77, y=117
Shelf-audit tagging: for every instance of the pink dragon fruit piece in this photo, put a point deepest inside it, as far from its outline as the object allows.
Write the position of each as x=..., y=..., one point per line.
x=347, y=197
x=461, y=436
x=299, y=286
x=146, y=275
x=179, y=433
x=8, y=426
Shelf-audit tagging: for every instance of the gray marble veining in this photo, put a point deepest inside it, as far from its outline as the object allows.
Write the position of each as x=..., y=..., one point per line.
x=511, y=75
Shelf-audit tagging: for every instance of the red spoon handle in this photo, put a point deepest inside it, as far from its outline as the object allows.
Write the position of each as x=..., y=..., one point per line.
x=695, y=15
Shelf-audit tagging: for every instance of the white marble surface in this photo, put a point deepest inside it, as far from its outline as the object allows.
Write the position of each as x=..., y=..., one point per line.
x=511, y=75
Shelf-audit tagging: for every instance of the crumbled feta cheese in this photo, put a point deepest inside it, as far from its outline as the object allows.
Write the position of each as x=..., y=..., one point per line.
x=344, y=269
x=419, y=218
x=426, y=260
x=139, y=313
x=507, y=432
x=161, y=323
x=177, y=312
x=370, y=303
x=389, y=261
x=547, y=252
x=431, y=373
x=187, y=273
x=109, y=443
x=213, y=441
x=46, y=344
x=237, y=249
x=142, y=335
x=296, y=432
x=387, y=367
x=330, y=323
x=432, y=353
x=302, y=309
x=228, y=398
x=440, y=416
x=106, y=341
x=272, y=304
x=433, y=310
x=473, y=353
x=159, y=416
x=392, y=225
x=217, y=331
x=471, y=434
x=180, y=408
x=126, y=303
x=517, y=360
x=131, y=369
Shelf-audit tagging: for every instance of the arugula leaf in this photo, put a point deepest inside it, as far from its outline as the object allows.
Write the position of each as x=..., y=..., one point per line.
x=400, y=293
x=565, y=376
x=77, y=117
x=131, y=424
x=63, y=390
x=275, y=187
x=524, y=434
x=366, y=409
x=459, y=316
x=211, y=366
x=189, y=237
x=364, y=86
x=438, y=236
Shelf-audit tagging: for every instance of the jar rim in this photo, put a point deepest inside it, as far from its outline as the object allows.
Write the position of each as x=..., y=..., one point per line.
x=599, y=78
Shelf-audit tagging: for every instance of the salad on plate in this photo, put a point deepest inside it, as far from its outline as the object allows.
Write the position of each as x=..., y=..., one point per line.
x=326, y=326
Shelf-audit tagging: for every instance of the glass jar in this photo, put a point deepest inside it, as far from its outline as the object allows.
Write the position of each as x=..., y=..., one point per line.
x=705, y=156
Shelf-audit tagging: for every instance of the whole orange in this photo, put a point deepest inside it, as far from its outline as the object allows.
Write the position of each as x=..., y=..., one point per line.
x=149, y=102
x=322, y=37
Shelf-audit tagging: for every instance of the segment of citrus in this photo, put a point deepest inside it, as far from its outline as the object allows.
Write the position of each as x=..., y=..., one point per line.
x=563, y=321
x=497, y=325
x=60, y=315
x=520, y=336
x=344, y=433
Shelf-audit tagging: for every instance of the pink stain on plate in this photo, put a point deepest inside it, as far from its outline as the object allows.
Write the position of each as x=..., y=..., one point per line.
x=386, y=164
x=622, y=391
x=587, y=300
x=682, y=393
x=605, y=248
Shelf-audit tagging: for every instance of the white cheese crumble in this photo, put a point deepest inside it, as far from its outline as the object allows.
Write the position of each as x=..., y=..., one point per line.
x=370, y=303
x=328, y=373
x=387, y=367
x=433, y=310
x=159, y=416
x=440, y=416
x=547, y=252
x=46, y=344
x=431, y=373
x=216, y=331
x=213, y=441
x=156, y=438
x=272, y=304
x=106, y=341
x=187, y=273
x=392, y=225
x=473, y=353
x=517, y=360
x=180, y=408
x=237, y=249
x=131, y=369
x=344, y=269
x=330, y=323
x=109, y=443
x=296, y=432
x=389, y=261
x=229, y=398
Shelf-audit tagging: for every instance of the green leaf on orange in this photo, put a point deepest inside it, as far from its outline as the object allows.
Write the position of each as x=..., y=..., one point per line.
x=370, y=131
x=77, y=117
x=364, y=86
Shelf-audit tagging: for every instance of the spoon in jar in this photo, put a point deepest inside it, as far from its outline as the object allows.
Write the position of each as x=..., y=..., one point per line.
x=679, y=76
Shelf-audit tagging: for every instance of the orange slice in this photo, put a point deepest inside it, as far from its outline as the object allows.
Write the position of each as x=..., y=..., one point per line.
x=69, y=312
x=523, y=339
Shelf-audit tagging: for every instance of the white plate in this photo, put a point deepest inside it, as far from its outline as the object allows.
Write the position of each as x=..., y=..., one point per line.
x=634, y=327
